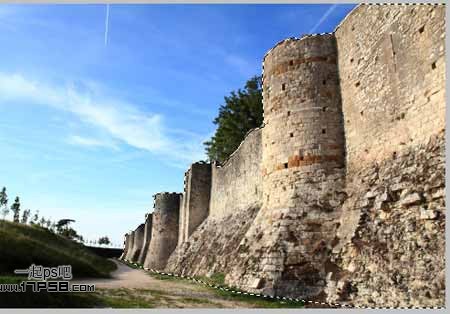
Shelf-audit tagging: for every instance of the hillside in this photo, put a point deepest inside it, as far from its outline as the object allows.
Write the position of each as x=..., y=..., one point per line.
x=22, y=245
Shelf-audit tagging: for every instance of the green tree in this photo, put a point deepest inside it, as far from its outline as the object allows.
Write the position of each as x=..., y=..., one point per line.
x=4, y=203
x=241, y=112
x=15, y=207
x=35, y=218
x=25, y=216
x=104, y=240
x=63, y=229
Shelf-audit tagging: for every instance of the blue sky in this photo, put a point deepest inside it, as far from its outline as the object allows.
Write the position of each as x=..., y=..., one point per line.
x=94, y=122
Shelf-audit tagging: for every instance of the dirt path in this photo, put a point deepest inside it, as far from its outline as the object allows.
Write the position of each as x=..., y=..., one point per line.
x=128, y=283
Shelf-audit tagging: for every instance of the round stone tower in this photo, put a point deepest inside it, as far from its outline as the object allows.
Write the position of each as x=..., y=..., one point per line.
x=130, y=246
x=286, y=250
x=303, y=134
x=164, y=237
x=137, y=243
x=147, y=238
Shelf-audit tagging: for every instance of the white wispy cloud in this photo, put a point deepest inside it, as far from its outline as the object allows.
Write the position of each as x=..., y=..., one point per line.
x=123, y=121
x=323, y=18
x=90, y=142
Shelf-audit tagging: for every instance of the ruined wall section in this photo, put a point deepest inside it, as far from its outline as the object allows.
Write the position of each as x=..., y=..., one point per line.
x=194, y=206
x=130, y=246
x=147, y=238
x=138, y=243
x=285, y=251
x=237, y=184
x=126, y=246
x=390, y=248
x=164, y=229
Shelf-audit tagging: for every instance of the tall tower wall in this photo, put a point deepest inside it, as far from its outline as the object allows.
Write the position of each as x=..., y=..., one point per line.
x=303, y=133
x=147, y=238
x=130, y=246
x=194, y=205
x=285, y=251
x=164, y=229
x=138, y=243
x=126, y=243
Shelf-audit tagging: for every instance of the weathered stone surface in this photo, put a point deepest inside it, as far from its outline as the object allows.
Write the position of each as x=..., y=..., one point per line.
x=213, y=247
x=165, y=224
x=147, y=238
x=129, y=254
x=194, y=205
x=237, y=183
x=138, y=243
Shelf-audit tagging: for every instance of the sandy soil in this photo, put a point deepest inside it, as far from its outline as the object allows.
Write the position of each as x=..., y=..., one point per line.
x=171, y=293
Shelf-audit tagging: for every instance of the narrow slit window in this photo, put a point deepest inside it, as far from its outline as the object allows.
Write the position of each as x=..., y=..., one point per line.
x=283, y=86
x=433, y=65
x=324, y=131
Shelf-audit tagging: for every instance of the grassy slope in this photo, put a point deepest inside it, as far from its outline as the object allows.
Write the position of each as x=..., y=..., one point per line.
x=22, y=245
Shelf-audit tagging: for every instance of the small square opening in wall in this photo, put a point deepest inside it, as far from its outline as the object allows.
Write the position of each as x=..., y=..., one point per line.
x=302, y=157
x=324, y=82
x=285, y=165
x=324, y=131
x=324, y=109
x=291, y=134
x=291, y=62
x=433, y=65
x=283, y=86
x=357, y=84
x=288, y=113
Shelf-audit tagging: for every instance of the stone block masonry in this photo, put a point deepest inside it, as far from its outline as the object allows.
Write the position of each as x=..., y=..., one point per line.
x=137, y=243
x=303, y=172
x=130, y=245
x=340, y=195
x=165, y=224
x=126, y=246
x=236, y=185
x=147, y=238
x=194, y=205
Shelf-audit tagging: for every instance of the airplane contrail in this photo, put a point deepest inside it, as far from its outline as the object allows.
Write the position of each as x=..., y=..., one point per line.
x=323, y=18
x=106, y=24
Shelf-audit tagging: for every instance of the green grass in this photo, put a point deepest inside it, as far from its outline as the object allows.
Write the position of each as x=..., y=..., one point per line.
x=23, y=245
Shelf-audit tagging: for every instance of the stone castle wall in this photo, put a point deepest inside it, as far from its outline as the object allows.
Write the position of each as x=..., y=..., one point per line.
x=392, y=73
x=147, y=238
x=237, y=184
x=138, y=243
x=194, y=204
x=303, y=161
x=340, y=196
x=165, y=224
x=391, y=237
